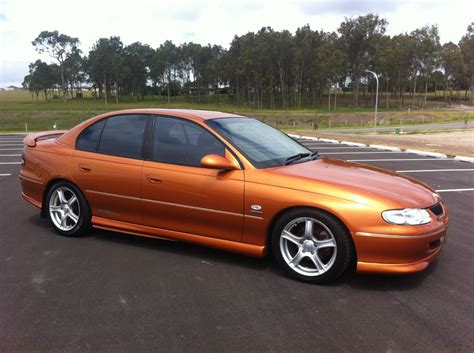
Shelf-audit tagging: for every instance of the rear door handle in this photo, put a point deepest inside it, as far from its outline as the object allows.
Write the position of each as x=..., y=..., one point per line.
x=84, y=168
x=153, y=179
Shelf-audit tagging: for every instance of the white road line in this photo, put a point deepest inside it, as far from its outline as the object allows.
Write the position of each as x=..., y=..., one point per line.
x=342, y=148
x=434, y=170
x=11, y=149
x=319, y=144
x=5, y=174
x=454, y=190
x=10, y=155
x=400, y=160
x=367, y=152
x=10, y=144
x=10, y=162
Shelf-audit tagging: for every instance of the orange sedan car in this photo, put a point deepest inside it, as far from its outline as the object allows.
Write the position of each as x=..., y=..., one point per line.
x=233, y=183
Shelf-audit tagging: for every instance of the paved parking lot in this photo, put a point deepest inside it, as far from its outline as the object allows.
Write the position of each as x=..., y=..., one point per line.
x=110, y=292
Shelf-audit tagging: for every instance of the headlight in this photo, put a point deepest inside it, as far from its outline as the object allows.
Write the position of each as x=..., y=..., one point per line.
x=408, y=216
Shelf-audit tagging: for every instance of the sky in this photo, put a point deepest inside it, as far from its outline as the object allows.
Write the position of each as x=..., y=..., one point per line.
x=154, y=21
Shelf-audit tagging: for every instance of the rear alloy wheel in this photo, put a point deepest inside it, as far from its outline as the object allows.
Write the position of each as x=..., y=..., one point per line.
x=311, y=245
x=68, y=211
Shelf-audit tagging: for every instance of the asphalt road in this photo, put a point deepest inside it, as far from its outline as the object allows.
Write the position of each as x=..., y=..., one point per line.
x=110, y=292
x=457, y=125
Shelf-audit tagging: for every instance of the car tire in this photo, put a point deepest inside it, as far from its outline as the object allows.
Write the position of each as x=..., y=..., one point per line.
x=67, y=210
x=311, y=245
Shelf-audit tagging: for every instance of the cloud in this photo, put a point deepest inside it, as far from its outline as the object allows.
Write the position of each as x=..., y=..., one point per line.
x=190, y=12
x=12, y=73
x=189, y=35
x=347, y=7
x=3, y=17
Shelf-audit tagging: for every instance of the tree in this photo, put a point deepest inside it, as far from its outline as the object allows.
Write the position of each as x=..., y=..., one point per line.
x=168, y=55
x=467, y=50
x=74, y=69
x=452, y=63
x=104, y=65
x=359, y=37
x=403, y=46
x=427, y=49
x=41, y=78
x=59, y=46
x=136, y=62
x=282, y=45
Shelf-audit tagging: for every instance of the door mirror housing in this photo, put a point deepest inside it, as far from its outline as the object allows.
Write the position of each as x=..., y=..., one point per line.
x=214, y=161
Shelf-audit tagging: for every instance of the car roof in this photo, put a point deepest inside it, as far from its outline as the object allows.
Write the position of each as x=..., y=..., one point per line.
x=69, y=137
x=200, y=114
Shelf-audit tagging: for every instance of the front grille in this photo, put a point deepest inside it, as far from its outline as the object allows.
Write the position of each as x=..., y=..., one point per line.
x=437, y=209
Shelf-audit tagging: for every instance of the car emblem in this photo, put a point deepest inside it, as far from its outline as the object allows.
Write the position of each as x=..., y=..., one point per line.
x=256, y=207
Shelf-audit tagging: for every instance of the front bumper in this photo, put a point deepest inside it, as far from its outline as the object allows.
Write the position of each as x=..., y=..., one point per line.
x=386, y=253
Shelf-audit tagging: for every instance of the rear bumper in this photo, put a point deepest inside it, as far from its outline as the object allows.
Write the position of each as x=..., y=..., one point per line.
x=32, y=189
x=397, y=254
x=31, y=201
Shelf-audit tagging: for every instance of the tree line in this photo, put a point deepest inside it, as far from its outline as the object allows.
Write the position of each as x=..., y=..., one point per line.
x=263, y=69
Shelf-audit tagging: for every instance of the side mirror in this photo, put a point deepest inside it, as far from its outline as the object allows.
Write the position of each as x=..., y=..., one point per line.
x=213, y=161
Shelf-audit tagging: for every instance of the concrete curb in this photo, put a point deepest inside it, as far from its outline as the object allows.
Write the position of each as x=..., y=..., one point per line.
x=389, y=148
x=464, y=159
x=386, y=148
x=427, y=154
x=355, y=144
x=328, y=140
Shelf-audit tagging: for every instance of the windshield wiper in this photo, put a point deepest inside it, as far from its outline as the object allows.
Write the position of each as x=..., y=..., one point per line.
x=300, y=156
x=295, y=158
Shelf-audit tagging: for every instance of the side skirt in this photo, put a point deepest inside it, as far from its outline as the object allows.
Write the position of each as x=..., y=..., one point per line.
x=150, y=232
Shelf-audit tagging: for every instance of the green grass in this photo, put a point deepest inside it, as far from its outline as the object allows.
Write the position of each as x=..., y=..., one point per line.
x=17, y=108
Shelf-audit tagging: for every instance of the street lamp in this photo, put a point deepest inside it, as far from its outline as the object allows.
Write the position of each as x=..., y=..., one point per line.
x=376, y=98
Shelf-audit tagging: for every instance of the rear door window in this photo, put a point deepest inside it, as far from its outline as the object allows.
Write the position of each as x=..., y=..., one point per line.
x=88, y=140
x=123, y=136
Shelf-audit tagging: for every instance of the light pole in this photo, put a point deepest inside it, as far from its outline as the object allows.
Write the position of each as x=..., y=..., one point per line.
x=376, y=98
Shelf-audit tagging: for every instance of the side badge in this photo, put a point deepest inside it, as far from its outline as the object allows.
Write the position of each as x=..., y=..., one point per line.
x=256, y=209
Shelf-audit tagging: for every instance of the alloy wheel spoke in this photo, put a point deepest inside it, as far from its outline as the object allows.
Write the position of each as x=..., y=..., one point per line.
x=295, y=261
x=317, y=261
x=72, y=200
x=63, y=220
x=327, y=243
x=61, y=197
x=308, y=228
x=291, y=237
x=55, y=209
x=73, y=216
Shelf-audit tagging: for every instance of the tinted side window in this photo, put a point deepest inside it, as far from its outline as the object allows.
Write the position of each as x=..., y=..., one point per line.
x=178, y=141
x=123, y=136
x=88, y=140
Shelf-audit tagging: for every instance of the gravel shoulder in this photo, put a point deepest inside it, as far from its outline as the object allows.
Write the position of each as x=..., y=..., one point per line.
x=451, y=143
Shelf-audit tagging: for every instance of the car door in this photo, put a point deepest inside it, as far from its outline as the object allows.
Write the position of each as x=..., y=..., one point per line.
x=107, y=166
x=180, y=195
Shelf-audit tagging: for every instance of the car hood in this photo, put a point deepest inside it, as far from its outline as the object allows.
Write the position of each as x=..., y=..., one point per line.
x=355, y=182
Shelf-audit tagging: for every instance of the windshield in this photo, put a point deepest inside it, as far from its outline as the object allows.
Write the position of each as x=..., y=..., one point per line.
x=261, y=144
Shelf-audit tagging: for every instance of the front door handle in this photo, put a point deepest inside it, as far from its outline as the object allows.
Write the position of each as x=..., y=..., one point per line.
x=84, y=168
x=153, y=179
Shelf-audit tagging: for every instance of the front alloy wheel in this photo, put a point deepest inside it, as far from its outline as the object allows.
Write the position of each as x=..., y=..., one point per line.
x=311, y=245
x=308, y=246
